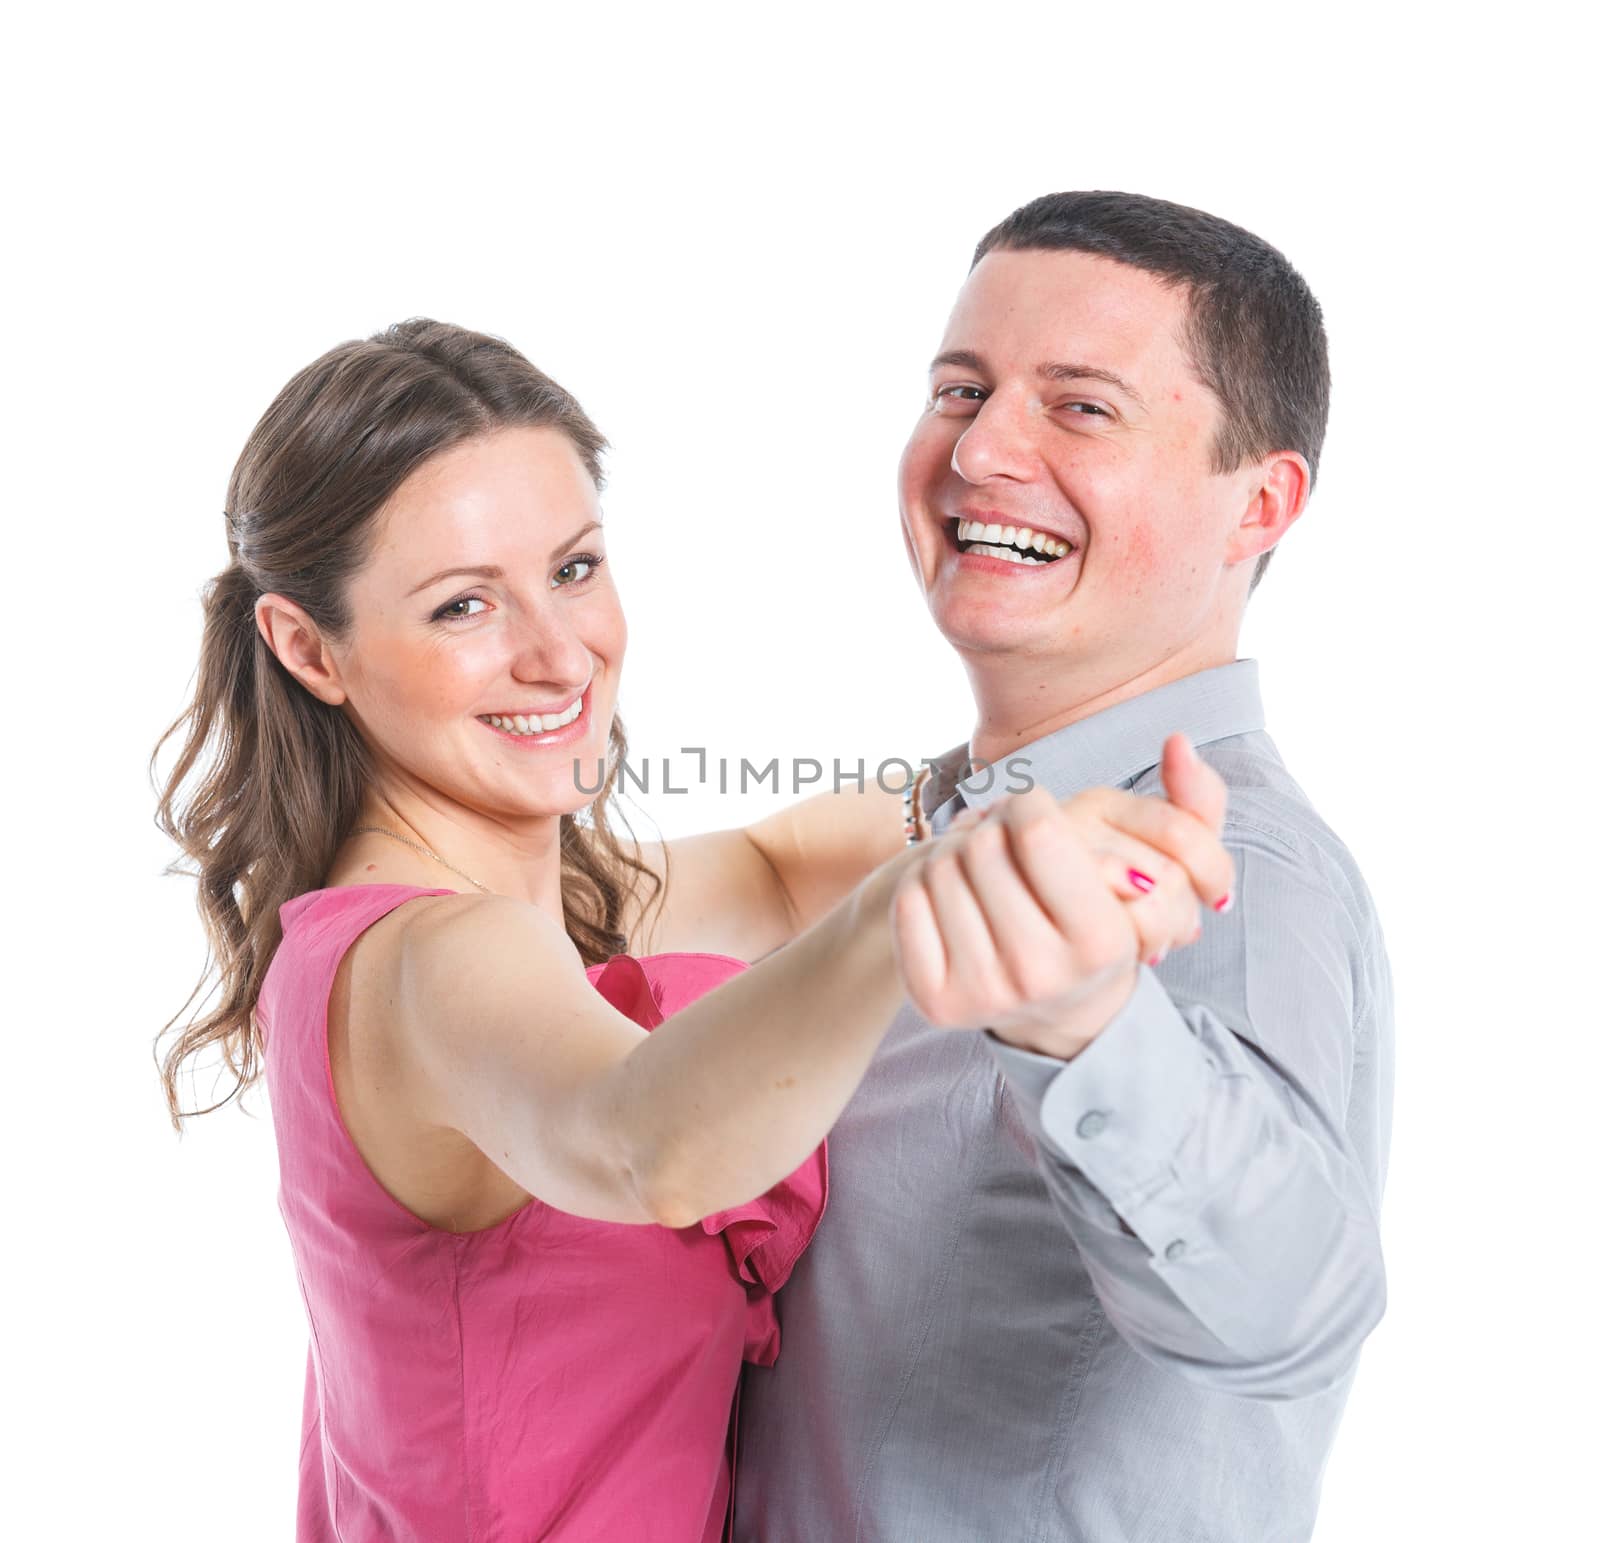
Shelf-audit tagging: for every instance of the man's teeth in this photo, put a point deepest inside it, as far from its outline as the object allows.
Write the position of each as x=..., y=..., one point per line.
x=1007, y=554
x=1000, y=539
x=533, y=723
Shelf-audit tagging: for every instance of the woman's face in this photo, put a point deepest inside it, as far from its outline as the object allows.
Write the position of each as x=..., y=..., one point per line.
x=433, y=655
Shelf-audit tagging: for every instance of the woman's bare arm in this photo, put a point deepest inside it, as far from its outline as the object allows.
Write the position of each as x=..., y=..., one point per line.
x=498, y=1033
x=747, y=891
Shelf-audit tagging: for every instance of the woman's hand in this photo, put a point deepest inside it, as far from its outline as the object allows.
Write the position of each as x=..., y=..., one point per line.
x=1031, y=917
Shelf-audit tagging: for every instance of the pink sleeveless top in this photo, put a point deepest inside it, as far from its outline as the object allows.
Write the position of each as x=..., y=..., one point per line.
x=549, y=1377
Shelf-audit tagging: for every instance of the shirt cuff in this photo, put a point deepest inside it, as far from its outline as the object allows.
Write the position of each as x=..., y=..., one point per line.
x=1120, y=1108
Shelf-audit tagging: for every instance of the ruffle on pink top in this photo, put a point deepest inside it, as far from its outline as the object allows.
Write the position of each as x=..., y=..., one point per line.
x=767, y=1235
x=549, y=1377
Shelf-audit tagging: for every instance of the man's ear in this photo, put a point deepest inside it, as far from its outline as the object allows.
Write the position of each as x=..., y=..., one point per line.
x=1276, y=491
x=297, y=641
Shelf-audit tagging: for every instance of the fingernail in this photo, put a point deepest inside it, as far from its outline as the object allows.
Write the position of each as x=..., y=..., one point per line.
x=1141, y=881
x=1224, y=904
x=1156, y=959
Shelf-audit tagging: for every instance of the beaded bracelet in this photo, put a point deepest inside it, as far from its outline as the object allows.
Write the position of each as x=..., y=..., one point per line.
x=916, y=823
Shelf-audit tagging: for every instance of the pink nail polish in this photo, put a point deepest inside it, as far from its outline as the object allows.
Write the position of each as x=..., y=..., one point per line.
x=1141, y=881
x=1224, y=904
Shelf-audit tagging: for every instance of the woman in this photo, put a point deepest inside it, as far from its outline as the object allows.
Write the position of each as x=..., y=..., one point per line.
x=534, y=1239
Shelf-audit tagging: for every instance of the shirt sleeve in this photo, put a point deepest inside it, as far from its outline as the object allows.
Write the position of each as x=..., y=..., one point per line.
x=1197, y=1151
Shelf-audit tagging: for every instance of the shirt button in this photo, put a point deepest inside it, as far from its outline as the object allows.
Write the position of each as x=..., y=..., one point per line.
x=1175, y=1250
x=1092, y=1124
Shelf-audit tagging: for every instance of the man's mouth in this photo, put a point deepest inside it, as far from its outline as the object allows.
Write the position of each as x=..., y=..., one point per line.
x=1010, y=543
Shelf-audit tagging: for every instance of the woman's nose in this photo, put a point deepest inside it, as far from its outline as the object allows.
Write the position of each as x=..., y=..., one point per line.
x=997, y=443
x=549, y=650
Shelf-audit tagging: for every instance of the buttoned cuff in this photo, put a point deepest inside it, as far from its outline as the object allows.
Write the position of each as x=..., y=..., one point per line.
x=1119, y=1109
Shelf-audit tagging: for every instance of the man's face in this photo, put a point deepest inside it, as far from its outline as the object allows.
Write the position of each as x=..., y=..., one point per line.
x=1062, y=402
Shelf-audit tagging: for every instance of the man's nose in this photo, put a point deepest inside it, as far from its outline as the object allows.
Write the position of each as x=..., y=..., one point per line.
x=998, y=442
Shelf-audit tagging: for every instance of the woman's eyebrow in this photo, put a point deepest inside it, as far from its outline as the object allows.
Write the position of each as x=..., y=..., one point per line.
x=491, y=570
x=482, y=571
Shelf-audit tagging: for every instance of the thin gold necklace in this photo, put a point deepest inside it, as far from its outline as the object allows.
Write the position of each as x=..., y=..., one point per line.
x=418, y=847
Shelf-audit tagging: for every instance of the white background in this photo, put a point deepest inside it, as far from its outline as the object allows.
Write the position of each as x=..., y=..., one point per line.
x=735, y=233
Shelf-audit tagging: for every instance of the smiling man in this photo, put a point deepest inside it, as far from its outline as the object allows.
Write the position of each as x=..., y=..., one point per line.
x=1111, y=1288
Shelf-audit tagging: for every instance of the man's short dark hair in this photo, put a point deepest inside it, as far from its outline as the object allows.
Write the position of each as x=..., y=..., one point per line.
x=1254, y=331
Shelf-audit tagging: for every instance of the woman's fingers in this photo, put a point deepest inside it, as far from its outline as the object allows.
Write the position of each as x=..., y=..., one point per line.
x=1176, y=833
x=1071, y=890
x=1165, y=918
x=1131, y=868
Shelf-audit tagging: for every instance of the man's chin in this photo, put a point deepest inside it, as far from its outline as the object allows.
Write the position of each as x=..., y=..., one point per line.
x=985, y=627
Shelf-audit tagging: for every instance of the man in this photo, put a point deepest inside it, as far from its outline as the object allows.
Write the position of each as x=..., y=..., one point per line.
x=1109, y=1285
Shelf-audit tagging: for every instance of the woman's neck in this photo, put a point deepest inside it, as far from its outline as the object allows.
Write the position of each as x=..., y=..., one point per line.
x=521, y=860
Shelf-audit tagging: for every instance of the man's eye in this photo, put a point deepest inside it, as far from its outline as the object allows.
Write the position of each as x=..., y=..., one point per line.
x=1089, y=409
x=957, y=395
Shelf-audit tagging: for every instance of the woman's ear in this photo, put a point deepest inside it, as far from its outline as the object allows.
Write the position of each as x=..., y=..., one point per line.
x=298, y=645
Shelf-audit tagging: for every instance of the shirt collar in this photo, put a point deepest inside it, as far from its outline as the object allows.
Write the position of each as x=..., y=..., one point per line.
x=1109, y=748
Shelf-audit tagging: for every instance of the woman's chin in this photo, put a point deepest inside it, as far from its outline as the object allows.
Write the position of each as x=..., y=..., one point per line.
x=558, y=797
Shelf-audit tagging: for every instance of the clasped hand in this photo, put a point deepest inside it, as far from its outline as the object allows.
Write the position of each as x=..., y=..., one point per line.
x=1031, y=917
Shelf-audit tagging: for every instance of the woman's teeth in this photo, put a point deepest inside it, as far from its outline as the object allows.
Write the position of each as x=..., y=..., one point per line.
x=533, y=723
x=1016, y=541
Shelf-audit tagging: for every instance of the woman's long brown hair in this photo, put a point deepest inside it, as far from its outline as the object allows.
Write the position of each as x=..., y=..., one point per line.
x=286, y=774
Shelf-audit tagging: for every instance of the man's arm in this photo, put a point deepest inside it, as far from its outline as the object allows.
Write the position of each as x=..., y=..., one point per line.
x=1196, y=1148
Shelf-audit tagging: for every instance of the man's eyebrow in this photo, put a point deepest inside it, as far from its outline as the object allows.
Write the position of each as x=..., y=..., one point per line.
x=1090, y=372
x=491, y=570
x=966, y=359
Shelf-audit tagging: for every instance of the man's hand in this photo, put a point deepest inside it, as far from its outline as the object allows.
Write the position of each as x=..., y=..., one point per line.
x=1031, y=918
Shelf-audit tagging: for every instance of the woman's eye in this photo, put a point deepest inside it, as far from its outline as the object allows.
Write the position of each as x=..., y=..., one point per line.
x=588, y=562
x=449, y=612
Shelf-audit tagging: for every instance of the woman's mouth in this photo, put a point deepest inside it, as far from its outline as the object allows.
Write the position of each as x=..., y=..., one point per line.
x=552, y=728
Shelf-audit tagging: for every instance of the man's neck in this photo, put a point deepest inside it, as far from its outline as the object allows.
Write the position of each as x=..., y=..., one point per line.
x=1021, y=701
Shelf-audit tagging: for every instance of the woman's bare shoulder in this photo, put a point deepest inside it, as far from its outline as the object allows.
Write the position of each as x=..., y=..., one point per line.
x=385, y=1102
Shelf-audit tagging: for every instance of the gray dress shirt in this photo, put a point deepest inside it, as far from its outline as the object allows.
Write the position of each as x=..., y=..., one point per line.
x=1120, y=1297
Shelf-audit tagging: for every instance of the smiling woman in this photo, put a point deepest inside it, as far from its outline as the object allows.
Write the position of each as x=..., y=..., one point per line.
x=291, y=773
